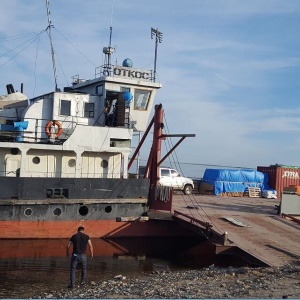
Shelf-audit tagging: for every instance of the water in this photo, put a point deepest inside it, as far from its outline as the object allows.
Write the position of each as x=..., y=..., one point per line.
x=31, y=267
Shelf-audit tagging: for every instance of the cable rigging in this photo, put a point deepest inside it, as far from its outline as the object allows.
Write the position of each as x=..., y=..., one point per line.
x=27, y=44
x=191, y=197
x=20, y=36
x=74, y=47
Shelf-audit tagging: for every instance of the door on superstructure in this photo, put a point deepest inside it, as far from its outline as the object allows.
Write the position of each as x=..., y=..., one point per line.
x=114, y=109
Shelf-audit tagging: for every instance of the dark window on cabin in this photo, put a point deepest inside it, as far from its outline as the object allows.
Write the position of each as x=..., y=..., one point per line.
x=65, y=107
x=99, y=90
x=89, y=110
x=125, y=89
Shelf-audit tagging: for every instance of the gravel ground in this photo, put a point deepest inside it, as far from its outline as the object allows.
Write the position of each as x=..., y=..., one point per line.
x=204, y=283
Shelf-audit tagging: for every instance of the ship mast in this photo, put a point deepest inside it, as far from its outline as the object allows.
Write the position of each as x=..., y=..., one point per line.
x=51, y=44
x=108, y=51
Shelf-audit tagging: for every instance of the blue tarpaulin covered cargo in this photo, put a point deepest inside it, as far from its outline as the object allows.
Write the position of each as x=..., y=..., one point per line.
x=231, y=181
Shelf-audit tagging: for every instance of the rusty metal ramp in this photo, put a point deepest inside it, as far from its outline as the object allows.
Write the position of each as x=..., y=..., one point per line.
x=266, y=236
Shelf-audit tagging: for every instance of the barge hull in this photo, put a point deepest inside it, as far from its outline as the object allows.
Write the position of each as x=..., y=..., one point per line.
x=94, y=228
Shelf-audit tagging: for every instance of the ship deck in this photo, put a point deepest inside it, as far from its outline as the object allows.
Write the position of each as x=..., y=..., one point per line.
x=266, y=235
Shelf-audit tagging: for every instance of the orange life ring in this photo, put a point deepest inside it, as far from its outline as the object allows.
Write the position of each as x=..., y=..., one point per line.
x=53, y=123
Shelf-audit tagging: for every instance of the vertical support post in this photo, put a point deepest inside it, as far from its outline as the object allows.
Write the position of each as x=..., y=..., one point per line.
x=156, y=152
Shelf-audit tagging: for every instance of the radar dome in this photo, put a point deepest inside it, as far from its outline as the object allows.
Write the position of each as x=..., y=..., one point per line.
x=127, y=63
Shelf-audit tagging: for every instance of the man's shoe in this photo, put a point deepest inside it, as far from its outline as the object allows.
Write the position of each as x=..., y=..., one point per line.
x=82, y=282
x=70, y=286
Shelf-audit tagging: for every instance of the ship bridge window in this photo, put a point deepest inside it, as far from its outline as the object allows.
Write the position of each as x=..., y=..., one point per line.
x=89, y=109
x=141, y=99
x=65, y=107
x=99, y=90
x=125, y=89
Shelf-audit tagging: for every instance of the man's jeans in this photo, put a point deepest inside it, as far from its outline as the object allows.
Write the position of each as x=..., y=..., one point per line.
x=81, y=259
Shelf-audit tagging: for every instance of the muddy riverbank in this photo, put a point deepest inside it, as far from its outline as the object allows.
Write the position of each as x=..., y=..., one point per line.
x=202, y=283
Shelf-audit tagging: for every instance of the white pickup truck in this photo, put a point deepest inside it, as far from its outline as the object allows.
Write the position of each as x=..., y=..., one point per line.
x=170, y=177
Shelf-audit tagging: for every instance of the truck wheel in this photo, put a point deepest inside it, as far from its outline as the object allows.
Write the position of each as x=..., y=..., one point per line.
x=188, y=189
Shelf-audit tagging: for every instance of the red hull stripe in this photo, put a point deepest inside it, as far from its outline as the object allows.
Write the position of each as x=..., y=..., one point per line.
x=94, y=228
x=54, y=229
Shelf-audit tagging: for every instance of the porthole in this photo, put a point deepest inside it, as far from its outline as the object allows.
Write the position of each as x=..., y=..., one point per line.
x=83, y=210
x=108, y=209
x=14, y=151
x=28, y=212
x=72, y=163
x=104, y=163
x=57, y=212
x=36, y=160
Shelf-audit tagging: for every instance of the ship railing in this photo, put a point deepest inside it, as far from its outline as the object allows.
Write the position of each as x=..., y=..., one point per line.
x=39, y=134
x=36, y=130
x=77, y=80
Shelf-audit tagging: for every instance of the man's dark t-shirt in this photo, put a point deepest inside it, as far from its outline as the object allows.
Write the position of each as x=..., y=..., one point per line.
x=80, y=241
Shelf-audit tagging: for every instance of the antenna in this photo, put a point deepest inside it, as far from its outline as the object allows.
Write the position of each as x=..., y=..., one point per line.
x=158, y=38
x=51, y=44
x=108, y=51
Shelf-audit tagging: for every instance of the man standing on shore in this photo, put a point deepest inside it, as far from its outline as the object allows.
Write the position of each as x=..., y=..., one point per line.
x=80, y=240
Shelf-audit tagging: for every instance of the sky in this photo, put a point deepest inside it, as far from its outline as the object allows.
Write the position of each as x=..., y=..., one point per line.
x=229, y=69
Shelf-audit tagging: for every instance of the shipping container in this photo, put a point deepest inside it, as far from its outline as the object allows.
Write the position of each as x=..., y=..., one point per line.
x=281, y=177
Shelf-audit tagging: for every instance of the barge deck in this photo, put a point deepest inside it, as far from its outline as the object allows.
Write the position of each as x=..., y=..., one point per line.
x=253, y=225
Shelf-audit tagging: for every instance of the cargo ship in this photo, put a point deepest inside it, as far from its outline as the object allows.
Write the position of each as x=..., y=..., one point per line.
x=65, y=154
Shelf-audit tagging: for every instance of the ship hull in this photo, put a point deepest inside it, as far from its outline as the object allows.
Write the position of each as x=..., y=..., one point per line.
x=55, y=208
x=57, y=229
x=106, y=229
x=36, y=188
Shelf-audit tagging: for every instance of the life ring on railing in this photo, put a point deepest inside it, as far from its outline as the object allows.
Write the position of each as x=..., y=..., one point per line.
x=53, y=123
